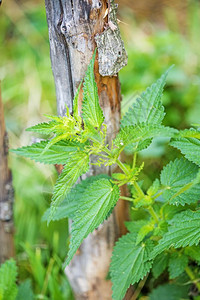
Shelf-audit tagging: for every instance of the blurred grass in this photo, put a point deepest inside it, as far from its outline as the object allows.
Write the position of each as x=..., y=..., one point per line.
x=28, y=92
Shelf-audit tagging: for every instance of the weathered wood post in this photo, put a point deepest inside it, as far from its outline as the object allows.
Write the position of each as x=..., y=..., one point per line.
x=75, y=28
x=6, y=195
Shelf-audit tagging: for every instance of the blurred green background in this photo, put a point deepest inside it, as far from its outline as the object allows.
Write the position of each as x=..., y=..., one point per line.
x=156, y=36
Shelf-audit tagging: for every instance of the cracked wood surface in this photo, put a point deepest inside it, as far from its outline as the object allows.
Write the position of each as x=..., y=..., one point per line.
x=6, y=195
x=72, y=29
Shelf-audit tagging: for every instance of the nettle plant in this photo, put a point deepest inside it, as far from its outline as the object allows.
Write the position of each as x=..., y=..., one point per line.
x=167, y=235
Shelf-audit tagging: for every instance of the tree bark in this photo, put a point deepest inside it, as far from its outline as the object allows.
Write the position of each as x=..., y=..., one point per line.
x=6, y=195
x=73, y=26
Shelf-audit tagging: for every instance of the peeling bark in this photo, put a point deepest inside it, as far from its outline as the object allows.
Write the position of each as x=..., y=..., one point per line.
x=6, y=195
x=72, y=28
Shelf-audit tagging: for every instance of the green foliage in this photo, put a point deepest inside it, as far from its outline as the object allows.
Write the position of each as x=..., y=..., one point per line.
x=169, y=292
x=177, y=264
x=93, y=208
x=8, y=276
x=160, y=264
x=129, y=264
x=76, y=165
x=179, y=181
x=57, y=154
x=92, y=113
x=25, y=291
x=184, y=230
x=148, y=108
x=158, y=228
x=189, y=147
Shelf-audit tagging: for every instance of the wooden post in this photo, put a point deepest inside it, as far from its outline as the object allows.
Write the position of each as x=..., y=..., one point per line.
x=73, y=28
x=6, y=195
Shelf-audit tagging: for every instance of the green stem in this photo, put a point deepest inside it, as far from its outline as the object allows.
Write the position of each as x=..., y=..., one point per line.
x=158, y=195
x=134, y=160
x=122, y=166
x=126, y=198
x=138, y=189
x=153, y=214
x=192, y=277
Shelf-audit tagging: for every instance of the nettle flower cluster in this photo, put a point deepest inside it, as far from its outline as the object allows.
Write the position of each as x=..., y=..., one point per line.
x=167, y=235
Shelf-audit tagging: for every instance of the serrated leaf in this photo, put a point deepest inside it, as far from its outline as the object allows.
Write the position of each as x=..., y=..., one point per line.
x=44, y=128
x=8, y=275
x=179, y=180
x=160, y=264
x=76, y=165
x=139, y=146
x=129, y=264
x=94, y=206
x=189, y=147
x=184, y=230
x=91, y=110
x=169, y=292
x=135, y=134
x=68, y=206
x=148, y=107
x=177, y=264
x=56, y=154
x=189, y=133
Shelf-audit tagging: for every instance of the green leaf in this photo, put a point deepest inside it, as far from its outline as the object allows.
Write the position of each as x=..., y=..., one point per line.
x=144, y=230
x=193, y=252
x=160, y=264
x=25, y=291
x=76, y=165
x=129, y=264
x=94, y=205
x=8, y=275
x=134, y=226
x=138, y=133
x=148, y=107
x=75, y=102
x=179, y=180
x=177, y=264
x=91, y=110
x=68, y=206
x=153, y=189
x=169, y=292
x=184, y=230
x=189, y=147
x=44, y=128
x=56, y=154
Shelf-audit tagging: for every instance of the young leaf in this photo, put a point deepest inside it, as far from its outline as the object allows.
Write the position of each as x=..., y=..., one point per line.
x=184, y=230
x=148, y=107
x=68, y=206
x=189, y=147
x=177, y=264
x=129, y=264
x=76, y=165
x=160, y=264
x=144, y=230
x=94, y=205
x=179, y=180
x=134, y=226
x=56, y=154
x=8, y=274
x=91, y=110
